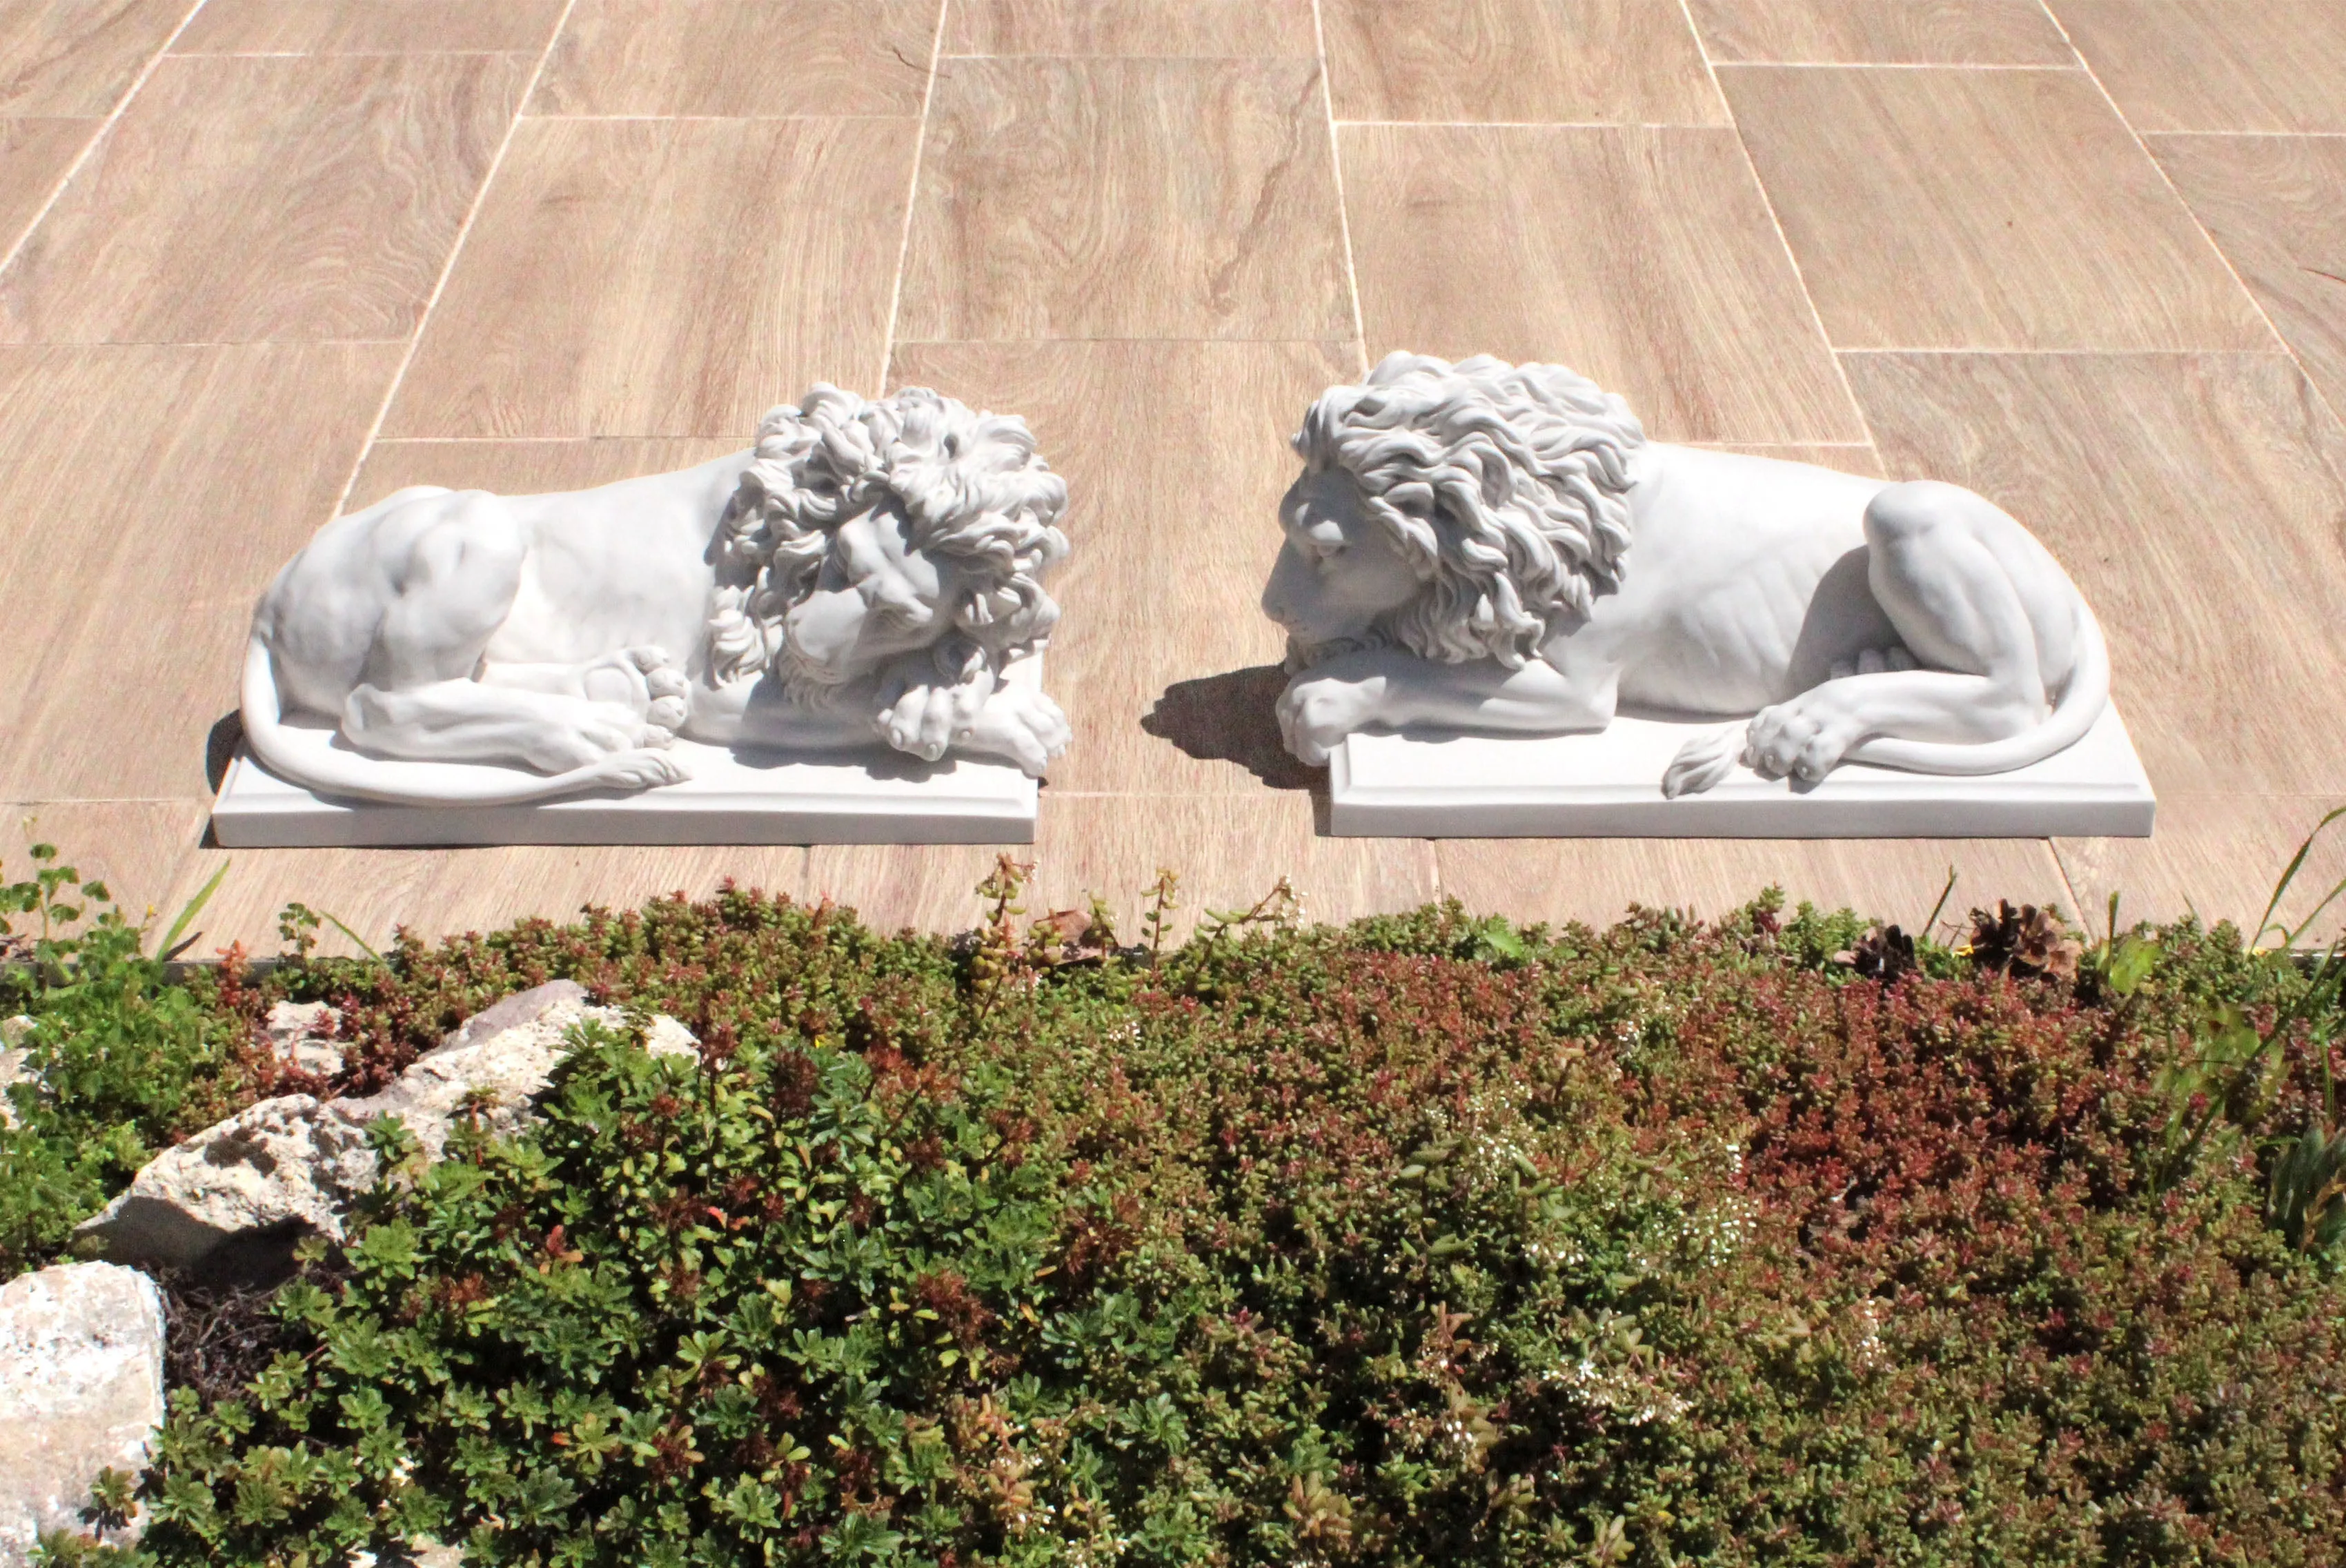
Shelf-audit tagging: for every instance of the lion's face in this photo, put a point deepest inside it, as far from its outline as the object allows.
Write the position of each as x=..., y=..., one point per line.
x=1339, y=571
x=876, y=599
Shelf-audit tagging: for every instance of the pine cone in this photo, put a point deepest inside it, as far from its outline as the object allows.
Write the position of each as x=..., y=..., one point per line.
x=1883, y=953
x=2025, y=942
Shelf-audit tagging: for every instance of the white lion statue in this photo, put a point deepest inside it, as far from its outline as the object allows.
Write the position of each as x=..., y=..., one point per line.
x=863, y=575
x=1495, y=547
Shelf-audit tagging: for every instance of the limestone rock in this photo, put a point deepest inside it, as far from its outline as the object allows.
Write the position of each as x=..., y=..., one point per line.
x=13, y=1033
x=281, y=1164
x=521, y=1007
x=292, y=1164
x=81, y=1390
x=301, y=1034
x=421, y=1553
x=496, y=1061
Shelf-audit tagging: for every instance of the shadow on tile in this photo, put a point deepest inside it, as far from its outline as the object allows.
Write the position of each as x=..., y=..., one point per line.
x=1227, y=718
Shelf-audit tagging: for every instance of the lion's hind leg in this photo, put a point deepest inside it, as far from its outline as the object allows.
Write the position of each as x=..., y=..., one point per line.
x=1967, y=591
x=474, y=721
x=454, y=562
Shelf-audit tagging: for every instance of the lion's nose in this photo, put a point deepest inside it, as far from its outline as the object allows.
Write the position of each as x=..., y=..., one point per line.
x=1274, y=593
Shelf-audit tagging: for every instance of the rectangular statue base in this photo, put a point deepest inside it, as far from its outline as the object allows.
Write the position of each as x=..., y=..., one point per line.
x=1608, y=784
x=730, y=798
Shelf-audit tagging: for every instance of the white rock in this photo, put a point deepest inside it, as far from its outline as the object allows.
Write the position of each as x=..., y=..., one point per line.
x=13, y=1033
x=421, y=1553
x=279, y=1162
x=292, y=1161
x=496, y=1062
x=301, y=1034
x=521, y=1007
x=81, y=1390
x=664, y=1036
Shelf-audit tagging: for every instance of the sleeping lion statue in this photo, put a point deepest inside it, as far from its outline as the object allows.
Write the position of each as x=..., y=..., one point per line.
x=1498, y=548
x=863, y=575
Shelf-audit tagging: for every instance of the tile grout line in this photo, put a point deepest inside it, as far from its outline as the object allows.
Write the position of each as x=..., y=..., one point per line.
x=455, y=253
x=2010, y=350
x=1336, y=167
x=2222, y=256
x=1541, y=124
x=88, y=148
x=1776, y=221
x=912, y=198
x=1871, y=443
x=2068, y=883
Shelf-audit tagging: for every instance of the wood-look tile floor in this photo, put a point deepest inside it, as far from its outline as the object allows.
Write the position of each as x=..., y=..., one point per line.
x=261, y=259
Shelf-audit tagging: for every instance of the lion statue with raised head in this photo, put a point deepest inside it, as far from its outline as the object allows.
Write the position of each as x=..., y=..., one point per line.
x=1493, y=547
x=863, y=575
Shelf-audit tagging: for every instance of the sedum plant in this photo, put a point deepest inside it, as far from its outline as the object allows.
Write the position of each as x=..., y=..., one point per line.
x=1430, y=1240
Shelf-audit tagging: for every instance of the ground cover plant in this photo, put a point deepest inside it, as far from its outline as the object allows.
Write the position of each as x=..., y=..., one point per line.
x=1430, y=1240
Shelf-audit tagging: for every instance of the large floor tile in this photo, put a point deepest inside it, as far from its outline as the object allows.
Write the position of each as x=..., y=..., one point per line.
x=1127, y=199
x=1981, y=210
x=2217, y=64
x=150, y=492
x=242, y=198
x=78, y=57
x=34, y=156
x=1644, y=258
x=446, y=892
x=2187, y=496
x=665, y=277
x=523, y=468
x=134, y=847
x=1175, y=457
x=1551, y=61
x=1229, y=853
x=2218, y=857
x=1140, y=27
x=1895, y=880
x=741, y=57
x=369, y=27
x=2276, y=207
x=1882, y=32
x=1846, y=457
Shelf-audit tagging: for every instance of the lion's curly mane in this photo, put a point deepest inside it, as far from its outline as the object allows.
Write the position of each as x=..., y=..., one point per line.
x=970, y=483
x=1507, y=483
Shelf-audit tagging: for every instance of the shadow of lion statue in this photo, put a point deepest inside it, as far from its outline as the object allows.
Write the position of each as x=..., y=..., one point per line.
x=863, y=575
x=1493, y=547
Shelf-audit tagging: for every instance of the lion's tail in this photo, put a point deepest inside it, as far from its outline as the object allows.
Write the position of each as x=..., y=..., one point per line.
x=2082, y=700
x=358, y=777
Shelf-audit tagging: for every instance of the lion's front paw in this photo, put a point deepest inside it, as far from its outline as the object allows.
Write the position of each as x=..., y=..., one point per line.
x=646, y=682
x=1022, y=725
x=1803, y=738
x=1315, y=714
x=926, y=719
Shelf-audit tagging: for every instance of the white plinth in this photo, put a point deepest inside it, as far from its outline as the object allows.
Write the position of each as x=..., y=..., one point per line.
x=730, y=798
x=1608, y=784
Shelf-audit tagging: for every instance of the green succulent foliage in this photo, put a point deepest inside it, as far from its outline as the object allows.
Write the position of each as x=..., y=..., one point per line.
x=120, y=1062
x=781, y=1295
x=1429, y=1240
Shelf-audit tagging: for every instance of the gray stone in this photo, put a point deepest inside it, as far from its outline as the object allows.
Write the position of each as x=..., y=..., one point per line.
x=494, y=1063
x=283, y=1164
x=293, y=1163
x=421, y=1553
x=13, y=1033
x=81, y=1390
x=521, y=1007
x=301, y=1034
